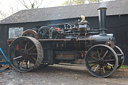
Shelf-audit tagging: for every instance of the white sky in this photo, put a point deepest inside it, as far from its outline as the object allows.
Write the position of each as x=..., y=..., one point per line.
x=11, y=6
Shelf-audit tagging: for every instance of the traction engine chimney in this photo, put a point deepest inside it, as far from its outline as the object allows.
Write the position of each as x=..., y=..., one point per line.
x=102, y=20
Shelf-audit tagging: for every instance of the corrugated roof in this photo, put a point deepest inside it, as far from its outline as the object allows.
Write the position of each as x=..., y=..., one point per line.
x=118, y=7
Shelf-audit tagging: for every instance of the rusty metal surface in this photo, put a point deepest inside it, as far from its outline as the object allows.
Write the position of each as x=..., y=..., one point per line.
x=30, y=32
x=84, y=39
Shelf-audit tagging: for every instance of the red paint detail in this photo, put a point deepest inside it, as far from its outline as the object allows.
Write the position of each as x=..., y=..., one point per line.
x=57, y=29
x=17, y=47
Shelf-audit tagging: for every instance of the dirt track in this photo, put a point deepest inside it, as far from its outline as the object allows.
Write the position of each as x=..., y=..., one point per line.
x=61, y=75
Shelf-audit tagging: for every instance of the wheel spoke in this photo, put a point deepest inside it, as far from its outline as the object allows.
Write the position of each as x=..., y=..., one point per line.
x=93, y=58
x=33, y=50
x=21, y=64
x=44, y=32
x=30, y=48
x=27, y=64
x=120, y=54
x=100, y=70
x=98, y=53
x=92, y=61
x=105, y=54
x=17, y=57
x=109, y=64
x=96, y=67
x=108, y=60
x=26, y=45
x=92, y=65
x=31, y=60
x=104, y=70
x=32, y=54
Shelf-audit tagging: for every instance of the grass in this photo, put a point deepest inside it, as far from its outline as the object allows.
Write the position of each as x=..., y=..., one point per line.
x=124, y=67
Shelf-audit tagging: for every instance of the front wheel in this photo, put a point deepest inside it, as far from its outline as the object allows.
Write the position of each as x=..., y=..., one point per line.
x=101, y=60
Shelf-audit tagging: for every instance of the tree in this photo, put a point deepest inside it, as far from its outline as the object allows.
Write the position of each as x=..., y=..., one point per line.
x=2, y=15
x=94, y=1
x=31, y=4
x=73, y=2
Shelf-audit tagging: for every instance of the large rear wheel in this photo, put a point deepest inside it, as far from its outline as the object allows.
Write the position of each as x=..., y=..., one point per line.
x=101, y=60
x=25, y=54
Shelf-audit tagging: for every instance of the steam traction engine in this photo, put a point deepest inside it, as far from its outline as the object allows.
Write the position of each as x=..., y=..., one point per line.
x=52, y=44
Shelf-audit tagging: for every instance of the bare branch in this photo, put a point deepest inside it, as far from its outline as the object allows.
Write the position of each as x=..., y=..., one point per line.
x=34, y=1
x=36, y=4
x=3, y=15
x=32, y=4
x=40, y=3
x=30, y=1
x=24, y=4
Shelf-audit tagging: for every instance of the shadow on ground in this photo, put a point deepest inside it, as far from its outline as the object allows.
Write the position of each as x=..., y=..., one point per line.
x=64, y=74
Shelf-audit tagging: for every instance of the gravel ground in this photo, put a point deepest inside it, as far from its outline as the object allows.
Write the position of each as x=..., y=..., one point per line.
x=61, y=75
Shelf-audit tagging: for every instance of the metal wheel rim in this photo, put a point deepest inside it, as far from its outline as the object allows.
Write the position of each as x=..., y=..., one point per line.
x=30, y=33
x=15, y=56
x=97, y=67
x=43, y=32
x=121, y=52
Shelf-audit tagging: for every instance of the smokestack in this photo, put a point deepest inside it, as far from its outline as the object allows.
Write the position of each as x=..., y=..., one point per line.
x=102, y=18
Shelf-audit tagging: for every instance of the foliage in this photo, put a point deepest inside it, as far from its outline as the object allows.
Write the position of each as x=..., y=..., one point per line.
x=124, y=67
x=3, y=15
x=92, y=1
x=30, y=4
x=73, y=2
